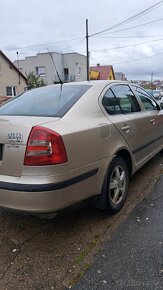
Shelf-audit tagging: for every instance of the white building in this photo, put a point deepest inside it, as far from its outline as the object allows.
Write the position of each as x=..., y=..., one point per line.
x=70, y=66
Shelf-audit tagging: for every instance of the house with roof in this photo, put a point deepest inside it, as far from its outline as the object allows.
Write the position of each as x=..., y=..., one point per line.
x=99, y=72
x=12, y=81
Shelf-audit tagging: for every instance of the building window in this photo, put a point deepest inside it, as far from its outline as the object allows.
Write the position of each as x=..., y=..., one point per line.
x=79, y=70
x=66, y=74
x=40, y=71
x=11, y=91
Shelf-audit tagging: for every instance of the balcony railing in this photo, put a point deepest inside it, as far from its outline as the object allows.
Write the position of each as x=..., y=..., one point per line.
x=70, y=78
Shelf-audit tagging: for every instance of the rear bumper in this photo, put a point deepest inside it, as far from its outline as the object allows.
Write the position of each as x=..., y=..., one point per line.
x=46, y=187
x=53, y=196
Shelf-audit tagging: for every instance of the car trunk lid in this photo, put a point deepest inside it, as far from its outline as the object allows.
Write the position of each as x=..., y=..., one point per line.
x=14, y=133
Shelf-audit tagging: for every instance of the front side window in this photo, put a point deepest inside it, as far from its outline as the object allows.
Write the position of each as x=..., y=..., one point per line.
x=52, y=101
x=148, y=102
x=126, y=99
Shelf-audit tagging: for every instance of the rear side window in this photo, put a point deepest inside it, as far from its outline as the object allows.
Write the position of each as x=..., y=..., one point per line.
x=54, y=101
x=110, y=103
x=119, y=99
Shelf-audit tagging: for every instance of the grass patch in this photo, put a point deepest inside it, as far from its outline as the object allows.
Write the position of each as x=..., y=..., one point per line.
x=81, y=256
x=79, y=275
x=86, y=251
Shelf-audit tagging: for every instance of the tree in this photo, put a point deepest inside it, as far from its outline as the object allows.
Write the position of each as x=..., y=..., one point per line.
x=34, y=81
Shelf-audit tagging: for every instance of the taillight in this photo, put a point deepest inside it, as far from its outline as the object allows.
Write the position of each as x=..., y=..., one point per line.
x=44, y=147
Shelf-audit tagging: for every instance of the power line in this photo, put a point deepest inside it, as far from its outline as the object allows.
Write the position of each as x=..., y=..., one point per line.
x=125, y=46
x=42, y=44
x=139, y=25
x=75, y=44
x=142, y=74
x=150, y=56
x=132, y=18
x=45, y=50
x=141, y=36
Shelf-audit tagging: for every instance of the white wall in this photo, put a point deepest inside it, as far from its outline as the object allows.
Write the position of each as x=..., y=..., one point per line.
x=73, y=61
x=29, y=64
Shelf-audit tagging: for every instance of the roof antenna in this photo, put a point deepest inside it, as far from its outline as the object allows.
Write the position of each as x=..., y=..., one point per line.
x=55, y=67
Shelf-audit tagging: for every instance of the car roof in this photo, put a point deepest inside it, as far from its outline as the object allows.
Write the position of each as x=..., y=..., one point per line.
x=98, y=83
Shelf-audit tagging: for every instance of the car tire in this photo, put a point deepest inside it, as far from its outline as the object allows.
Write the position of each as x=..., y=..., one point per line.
x=116, y=185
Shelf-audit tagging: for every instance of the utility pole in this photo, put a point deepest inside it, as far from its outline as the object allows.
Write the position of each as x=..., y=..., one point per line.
x=87, y=49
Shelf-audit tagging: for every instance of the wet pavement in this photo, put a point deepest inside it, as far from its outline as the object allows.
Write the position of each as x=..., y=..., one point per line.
x=39, y=253
x=133, y=259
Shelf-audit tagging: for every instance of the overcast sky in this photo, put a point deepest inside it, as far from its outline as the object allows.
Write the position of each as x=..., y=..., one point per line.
x=135, y=48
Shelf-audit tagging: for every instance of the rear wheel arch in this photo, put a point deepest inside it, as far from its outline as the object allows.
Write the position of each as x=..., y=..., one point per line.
x=101, y=200
x=124, y=154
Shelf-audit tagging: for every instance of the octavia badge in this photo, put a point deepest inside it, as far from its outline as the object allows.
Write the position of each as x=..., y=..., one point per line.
x=15, y=137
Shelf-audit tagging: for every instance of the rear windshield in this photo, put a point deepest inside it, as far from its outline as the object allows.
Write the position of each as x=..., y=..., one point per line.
x=52, y=101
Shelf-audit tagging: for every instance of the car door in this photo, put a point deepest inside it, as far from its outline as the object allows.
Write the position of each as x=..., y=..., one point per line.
x=132, y=122
x=155, y=115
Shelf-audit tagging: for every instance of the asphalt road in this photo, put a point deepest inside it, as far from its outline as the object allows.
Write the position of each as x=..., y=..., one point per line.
x=37, y=253
x=133, y=259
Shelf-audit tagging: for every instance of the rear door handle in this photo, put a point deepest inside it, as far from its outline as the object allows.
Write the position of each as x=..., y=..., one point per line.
x=126, y=128
x=152, y=121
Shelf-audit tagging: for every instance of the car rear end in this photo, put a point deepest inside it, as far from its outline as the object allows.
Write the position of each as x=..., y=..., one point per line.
x=56, y=147
x=35, y=173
